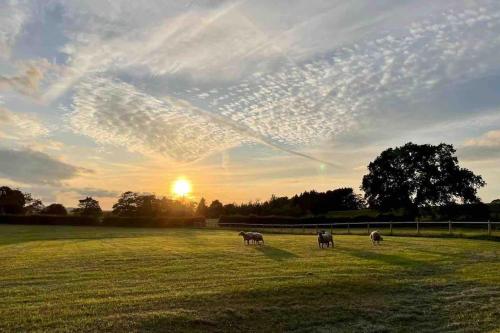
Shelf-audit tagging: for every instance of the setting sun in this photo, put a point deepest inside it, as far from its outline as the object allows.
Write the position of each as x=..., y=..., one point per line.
x=181, y=187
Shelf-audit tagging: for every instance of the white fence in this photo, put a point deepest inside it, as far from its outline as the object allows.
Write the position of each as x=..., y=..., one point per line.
x=368, y=226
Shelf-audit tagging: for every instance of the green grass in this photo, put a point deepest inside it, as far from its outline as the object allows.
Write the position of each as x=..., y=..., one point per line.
x=118, y=279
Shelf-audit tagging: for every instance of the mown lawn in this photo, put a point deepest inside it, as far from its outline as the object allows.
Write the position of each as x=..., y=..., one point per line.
x=118, y=279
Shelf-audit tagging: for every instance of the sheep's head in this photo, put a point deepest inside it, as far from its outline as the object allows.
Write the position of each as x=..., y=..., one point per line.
x=242, y=233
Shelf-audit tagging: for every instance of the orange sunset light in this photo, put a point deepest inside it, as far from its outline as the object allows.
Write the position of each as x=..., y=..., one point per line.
x=181, y=187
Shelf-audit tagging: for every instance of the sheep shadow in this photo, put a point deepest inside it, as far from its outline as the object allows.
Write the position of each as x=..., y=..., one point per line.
x=276, y=253
x=390, y=259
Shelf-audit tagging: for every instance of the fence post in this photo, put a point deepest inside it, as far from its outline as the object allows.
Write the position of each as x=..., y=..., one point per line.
x=489, y=228
x=316, y=229
x=449, y=227
x=418, y=228
x=390, y=227
x=368, y=228
x=331, y=229
x=303, y=229
x=348, y=228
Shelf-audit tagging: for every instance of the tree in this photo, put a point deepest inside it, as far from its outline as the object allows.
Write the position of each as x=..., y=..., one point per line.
x=126, y=205
x=201, y=208
x=32, y=206
x=216, y=209
x=324, y=202
x=55, y=209
x=414, y=176
x=135, y=204
x=12, y=201
x=88, y=207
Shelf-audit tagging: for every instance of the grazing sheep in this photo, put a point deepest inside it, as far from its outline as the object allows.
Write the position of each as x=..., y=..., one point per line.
x=254, y=237
x=324, y=238
x=376, y=237
x=257, y=237
x=247, y=237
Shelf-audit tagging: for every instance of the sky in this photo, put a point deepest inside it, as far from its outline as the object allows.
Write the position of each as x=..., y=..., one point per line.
x=243, y=98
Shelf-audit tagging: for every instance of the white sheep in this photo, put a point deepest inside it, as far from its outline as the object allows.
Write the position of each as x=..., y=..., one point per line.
x=254, y=237
x=324, y=238
x=376, y=237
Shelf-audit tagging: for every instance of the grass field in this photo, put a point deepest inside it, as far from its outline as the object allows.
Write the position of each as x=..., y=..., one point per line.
x=119, y=279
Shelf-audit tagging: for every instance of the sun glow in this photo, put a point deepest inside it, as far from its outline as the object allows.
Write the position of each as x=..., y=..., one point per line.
x=181, y=187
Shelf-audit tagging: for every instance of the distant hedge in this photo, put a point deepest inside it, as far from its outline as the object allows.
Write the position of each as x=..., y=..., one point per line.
x=254, y=219
x=155, y=222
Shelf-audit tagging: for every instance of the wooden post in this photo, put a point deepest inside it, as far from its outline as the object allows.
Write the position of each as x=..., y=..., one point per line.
x=418, y=228
x=316, y=229
x=348, y=228
x=449, y=227
x=368, y=228
x=489, y=228
x=303, y=228
x=331, y=229
x=390, y=227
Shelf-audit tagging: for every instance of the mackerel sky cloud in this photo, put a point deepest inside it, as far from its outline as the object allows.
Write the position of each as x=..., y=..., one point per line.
x=177, y=86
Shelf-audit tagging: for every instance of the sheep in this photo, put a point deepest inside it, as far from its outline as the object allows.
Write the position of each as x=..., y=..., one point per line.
x=376, y=237
x=247, y=237
x=324, y=238
x=254, y=237
x=257, y=237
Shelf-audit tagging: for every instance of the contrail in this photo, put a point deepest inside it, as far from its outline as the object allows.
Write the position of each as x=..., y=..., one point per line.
x=244, y=130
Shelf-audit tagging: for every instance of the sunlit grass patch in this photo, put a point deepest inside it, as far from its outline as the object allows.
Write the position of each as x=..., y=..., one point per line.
x=120, y=279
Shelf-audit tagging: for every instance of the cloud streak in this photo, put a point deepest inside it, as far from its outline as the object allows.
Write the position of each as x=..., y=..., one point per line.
x=32, y=167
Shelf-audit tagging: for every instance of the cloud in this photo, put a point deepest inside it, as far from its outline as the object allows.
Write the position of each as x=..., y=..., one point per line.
x=32, y=167
x=484, y=147
x=20, y=126
x=28, y=82
x=299, y=104
x=93, y=192
x=114, y=112
x=12, y=19
x=489, y=139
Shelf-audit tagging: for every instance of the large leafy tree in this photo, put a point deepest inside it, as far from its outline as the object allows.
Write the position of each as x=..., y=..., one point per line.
x=414, y=176
x=127, y=204
x=12, y=201
x=88, y=207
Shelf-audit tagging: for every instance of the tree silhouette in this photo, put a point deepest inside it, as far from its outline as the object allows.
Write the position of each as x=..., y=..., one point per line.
x=126, y=205
x=55, y=209
x=216, y=209
x=414, y=176
x=32, y=206
x=88, y=207
x=134, y=204
x=201, y=208
x=11, y=201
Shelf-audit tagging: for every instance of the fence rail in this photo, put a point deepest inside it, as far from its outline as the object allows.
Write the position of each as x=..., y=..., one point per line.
x=489, y=225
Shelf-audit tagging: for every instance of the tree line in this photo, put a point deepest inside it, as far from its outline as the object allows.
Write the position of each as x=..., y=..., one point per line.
x=306, y=203
x=410, y=178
